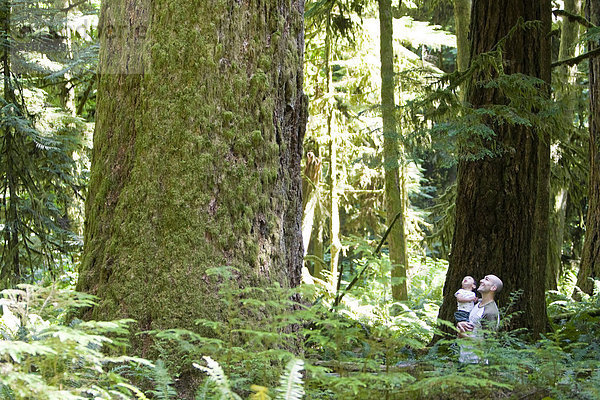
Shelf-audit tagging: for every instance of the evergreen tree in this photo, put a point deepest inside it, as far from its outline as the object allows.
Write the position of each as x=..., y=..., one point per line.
x=196, y=159
x=590, y=257
x=462, y=18
x=39, y=179
x=566, y=91
x=394, y=180
x=502, y=201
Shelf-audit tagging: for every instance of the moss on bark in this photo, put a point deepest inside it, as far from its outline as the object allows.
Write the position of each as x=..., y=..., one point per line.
x=196, y=160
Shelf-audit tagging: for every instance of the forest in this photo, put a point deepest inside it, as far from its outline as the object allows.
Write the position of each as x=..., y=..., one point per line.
x=289, y=199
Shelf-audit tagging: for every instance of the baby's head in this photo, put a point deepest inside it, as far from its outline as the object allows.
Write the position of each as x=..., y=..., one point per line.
x=468, y=283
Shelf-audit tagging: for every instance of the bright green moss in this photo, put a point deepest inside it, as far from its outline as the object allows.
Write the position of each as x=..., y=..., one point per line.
x=258, y=83
x=227, y=118
x=257, y=138
x=265, y=62
x=229, y=134
x=198, y=167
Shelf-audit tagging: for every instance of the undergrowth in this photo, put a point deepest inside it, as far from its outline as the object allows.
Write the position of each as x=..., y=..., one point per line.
x=276, y=343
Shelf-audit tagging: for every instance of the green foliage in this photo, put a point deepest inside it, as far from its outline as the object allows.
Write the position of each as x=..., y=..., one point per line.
x=290, y=383
x=290, y=387
x=255, y=330
x=350, y=356
x=365, y=348
x=350, y=107
x=164, y=389
x=344, y=356
x=218, y=378
x=40, y=179
x=44, y=357
x=469, y=132
x=43, y=145
x=453, y=129
x=335, y=16
x=55, y=47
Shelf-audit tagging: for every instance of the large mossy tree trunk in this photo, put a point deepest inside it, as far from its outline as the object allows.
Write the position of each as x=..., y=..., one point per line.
x=196, y=160
x=394, y=193
x=590, y=257
x=502, y=202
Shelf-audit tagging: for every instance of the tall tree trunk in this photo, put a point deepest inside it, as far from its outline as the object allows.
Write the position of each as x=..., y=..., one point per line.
x=334, y=224
x=462, y=18
x=319, y=247
x=67, y=91
x=558, y=213
x=393, y=185
x=560, y=190
x=590, y=257
x=310, y=196
x=334, y=218
x=502, y=201
x=11, y=266
x=196, y=159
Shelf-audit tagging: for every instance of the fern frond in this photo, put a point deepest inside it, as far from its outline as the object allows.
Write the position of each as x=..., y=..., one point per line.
x=216, y=374
x=290, y=383
x=164, y=389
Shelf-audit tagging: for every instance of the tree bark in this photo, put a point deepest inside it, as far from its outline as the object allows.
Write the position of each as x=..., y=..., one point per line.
x=10, y=271
x=590, y=257
x=502, y=202
x=393, y=185
x=311, y=180
x=196, y=160
x=565, y=95
x=334, y=221
x=332, y=133
x=462, y=18
x=558, y=209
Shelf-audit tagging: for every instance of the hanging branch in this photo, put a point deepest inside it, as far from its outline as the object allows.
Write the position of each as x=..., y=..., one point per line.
x=71, y=6
x=338, y=299
x=85, y=96
x=584, y=22
x=576, y=60
x=574, y=17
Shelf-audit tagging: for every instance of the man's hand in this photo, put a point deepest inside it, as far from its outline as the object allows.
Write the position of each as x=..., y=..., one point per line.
x=463, y=328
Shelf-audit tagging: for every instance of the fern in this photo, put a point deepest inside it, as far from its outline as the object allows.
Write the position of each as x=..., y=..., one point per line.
x=218, y=377
x=44, y=358
x=290, y=384
x=164, y=384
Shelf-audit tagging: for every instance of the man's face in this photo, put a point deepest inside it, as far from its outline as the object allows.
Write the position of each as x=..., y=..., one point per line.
x=486, y=285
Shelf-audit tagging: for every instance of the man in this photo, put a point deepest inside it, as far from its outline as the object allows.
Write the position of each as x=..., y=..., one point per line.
x=484, y=316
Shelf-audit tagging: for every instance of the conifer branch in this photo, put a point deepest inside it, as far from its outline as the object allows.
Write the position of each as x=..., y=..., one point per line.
x=578, y=59
x=85, y=96
x=574, y=17
x=570, y=314
x=71, y=6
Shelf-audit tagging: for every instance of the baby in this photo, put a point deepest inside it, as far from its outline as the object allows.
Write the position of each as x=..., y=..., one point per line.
x=466, y=299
